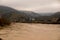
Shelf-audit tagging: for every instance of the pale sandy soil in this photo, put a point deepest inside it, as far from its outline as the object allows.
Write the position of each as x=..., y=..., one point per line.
x=25, y=31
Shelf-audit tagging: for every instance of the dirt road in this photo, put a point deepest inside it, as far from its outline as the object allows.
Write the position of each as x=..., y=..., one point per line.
x=25, y=31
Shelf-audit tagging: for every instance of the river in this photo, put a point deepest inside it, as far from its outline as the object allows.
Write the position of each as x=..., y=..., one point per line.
x=26, y=31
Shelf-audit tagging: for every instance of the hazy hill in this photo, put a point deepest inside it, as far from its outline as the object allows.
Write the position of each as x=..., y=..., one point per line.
x=25, y=16
x=57, y=14
x=15, y=15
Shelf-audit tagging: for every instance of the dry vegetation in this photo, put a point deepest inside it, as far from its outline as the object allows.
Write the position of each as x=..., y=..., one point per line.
x=4, y=22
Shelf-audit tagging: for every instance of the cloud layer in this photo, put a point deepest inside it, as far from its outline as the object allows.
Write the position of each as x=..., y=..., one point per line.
x=33, y=5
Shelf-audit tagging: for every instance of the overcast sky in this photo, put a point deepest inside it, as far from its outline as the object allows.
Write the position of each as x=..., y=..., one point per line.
x=33, y=5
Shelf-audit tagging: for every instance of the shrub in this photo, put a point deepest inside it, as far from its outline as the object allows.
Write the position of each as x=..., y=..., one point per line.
x=4, y=21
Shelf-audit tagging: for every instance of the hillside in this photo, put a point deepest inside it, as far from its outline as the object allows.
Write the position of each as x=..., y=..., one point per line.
x=14, y=15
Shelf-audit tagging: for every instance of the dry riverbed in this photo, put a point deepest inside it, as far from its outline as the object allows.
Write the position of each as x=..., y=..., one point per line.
x=25, y=31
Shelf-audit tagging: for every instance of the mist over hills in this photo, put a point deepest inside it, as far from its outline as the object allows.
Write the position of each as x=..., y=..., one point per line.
x=27, y=16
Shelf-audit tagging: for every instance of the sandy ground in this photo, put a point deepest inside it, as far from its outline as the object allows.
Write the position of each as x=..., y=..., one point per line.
x=25, y=31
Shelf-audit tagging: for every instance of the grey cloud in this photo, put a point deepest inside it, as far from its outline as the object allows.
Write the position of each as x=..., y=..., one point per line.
x=29, y=4
x=26, y=2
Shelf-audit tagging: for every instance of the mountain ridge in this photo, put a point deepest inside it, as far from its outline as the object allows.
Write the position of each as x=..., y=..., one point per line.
x=14, y=15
